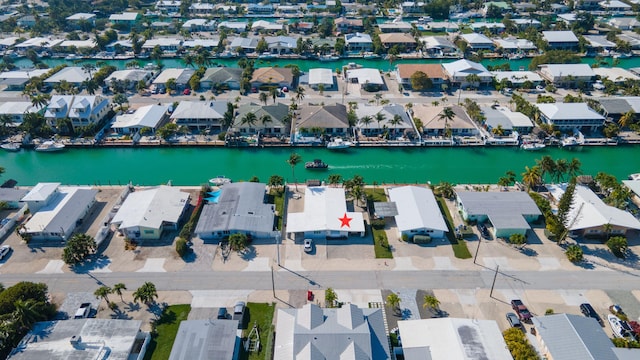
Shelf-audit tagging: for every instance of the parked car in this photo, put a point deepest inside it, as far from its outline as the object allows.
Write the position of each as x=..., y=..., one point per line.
x=523, y=313
x=186, y=92
x=514, y=321
x=83, y=311
x=588, y=311
x=4, y=251
x=222, y=313
x=484, y=232
x=238, y=313
x=308, y=245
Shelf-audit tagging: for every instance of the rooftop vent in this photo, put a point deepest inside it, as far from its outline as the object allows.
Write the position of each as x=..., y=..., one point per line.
x=75, y=340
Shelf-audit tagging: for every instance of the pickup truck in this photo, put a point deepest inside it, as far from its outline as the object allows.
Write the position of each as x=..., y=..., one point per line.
x=83, y=311
x=520, y=309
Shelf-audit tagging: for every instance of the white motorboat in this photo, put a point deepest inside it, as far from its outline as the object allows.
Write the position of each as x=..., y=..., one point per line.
x=266, y=56
x=635, y=176
x=620, y=328
x=49, y=146
x=532, y=146
x=570, y=141
x=339, y=144
x=11, y=146
x=329, y=58
x=219, y=180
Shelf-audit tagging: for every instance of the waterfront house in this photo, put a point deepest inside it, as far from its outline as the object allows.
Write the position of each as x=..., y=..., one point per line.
x=412, y=7
x=17, y=79
x=119, y=46
x=210, y=43
x=395, y=27
x=246, y=45
x=167, y=45
x=348, y=332
x=80, y=20
x=403, y=41
x=26, y=21
x=587, y=4
x=266, y=26
x=452, y=338
x=125, y=19
x=569, y=336
x=58, y=108
x=630, y=37
x=438, y=45
x=393, y=119
x=561, y=40
x=81, y=110
x=270, y=119
x=146, y=117
x=145, y=214
x=477, y=41
x=458, y=71
x=84, y=339
x=358, y=42
x=328, y=119
x=513, y=45
x=567, y=75
x=192, y=25
x=501, y=117
x=344, y=25
x=589, y=216
x=181, y=77
x=57, y=210
x=38, y=44
x=258, y=9
x=207, y=339
x=616, y=74
x=235, y=26
x=570, y=116
x=289, y=10
x=168, y=6
x=237, y=208
x=418, y=212
x=624, y=23
x=614, y=107
x=518, y=78
x=525, y=23
x=72, y=46
x=492, y=27
x=129, y=78
x=200, y=115
x=369, y=79
x=74, y=75
x=508, y=212
x=203, y=9
x=559, y=8
x=281, y=44
x=7, y=42
x=614, y=6
x=321, y=76
x=12, y=197
x=502, y=6
x=434, y=124
x=598, y=43
x=221, y=77
x=269, y=77
x=16, y=110
x=434, y=72
x=443, y=26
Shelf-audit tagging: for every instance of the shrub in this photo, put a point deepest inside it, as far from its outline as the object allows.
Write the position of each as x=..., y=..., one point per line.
x=222, y=135
x=517, y=239
x=549, y=312
x=574, y=253
x=377, y=224
x=181, y=247
x=518, y=344
x=618, y=246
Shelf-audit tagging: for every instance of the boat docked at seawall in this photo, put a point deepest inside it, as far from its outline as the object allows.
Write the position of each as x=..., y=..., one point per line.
x=316, y=164
x=635, y=176
x=532, y=146
x=339, y=144
x=49, y=146
x=326, y=58
x=266, y=56
x=219, y=180
x=571, y=141
x=12, y=146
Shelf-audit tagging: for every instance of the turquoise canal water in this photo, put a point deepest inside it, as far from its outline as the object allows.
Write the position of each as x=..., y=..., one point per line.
x=194, y=166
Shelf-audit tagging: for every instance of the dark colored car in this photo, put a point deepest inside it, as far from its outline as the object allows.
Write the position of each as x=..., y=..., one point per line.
x=222, y=313
x=514, y=321
x=520, y=309
x=484, y=231
x=588, y=311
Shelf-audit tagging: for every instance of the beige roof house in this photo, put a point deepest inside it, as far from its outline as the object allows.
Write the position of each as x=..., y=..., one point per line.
x=332, y=119
x=391, y=39
x=461, y=124
x=272, y=76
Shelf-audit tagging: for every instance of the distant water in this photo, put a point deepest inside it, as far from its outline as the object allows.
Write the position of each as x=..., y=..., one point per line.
x=194, y=166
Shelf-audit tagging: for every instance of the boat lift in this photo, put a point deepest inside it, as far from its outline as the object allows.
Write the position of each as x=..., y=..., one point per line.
x=252, y=344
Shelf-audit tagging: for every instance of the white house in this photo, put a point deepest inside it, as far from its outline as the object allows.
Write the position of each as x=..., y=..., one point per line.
x=565, y=39
x=358, y=42
x=570, y=116
x=81, y=110
x=458, y=71
x=149, y=116
x=72, y=74
x=200, y=115
x=567, y=74
x=477, y=41
x=320, y=76
x=369, y=79
x=418, y=212
x=325, y=215
x=146, y=214
x=16, y=110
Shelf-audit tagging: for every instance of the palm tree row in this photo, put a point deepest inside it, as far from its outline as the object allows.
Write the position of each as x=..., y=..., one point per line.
x=558, y=169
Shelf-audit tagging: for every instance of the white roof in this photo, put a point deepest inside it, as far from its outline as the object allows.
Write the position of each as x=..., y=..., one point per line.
x=475, y=38
x=133, y=75
x=198, y=22
x=167, y=74
x=236, y=25
x=568, y=111
x=205, y=43
x=614, y=4
x=17, y=108
x=8, y=41
x=23, y=74
x=417, y=209
x=559, y=36
x=62, y=211
x=366, y=75
x=151, y=43
x=452, y=338
x=320, y=76
x=512, y=43
x=323, y=209
x=589, y=211
x=575, y=70
x=72, y=74
x=125, y=16
x=465, y=67
x=39, y=42
x=41, y=192
x=516, y=119
x=81, y=16
x=517, y=77
x=599, y=41
x=151, y=208
x=200, y=110
x=89, y=43
x=615, y=74
x=146, y=116
x=357, y=38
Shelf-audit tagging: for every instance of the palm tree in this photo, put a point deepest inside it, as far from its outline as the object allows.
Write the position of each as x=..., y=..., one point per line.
x=573, y=168
x=626, y=119
x=397, y=119
x=26, y=313
x=249, y=119
x=473, y=80
x=321, y=89
x=265, y=119
x=366, y=120
x=447, y=115
x=146, y=293
x=188, y=60
x=380, y=117
x=531, y=176
x=377, y=97
x=299, y=94
x=445, y=189
x=103, y=292
x=117, y=289
x=294, y=159
x=335, y=179
x=547, y=166
x=431, y=302
x=40, y=100
x=263, y=97
x=89, y=69
x=393, y=300
x=561, y=169
x=274, y=94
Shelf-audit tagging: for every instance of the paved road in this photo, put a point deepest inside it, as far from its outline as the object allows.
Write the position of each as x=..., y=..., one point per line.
x=287, y=280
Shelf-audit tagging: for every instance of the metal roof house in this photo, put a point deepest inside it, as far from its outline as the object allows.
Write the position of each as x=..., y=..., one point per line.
x=200, y=115
x=389, y=112
x=418, y=212
x=349, y=332
x=508, y=120
x=369, y=79
x=12, y=197
x=72, y=74
x=205, y=340
x=509, y=212
x=567, y=74
x=458, y=71
x=451, y=338
x=321, y=76
x=145, y=214
x=239, y=208
x=58, y=210
x=590, y=216
x=570, y=116
x=149, y=116
x=79, y=339
x=325, y=215
x=566, y=40
x=568, y=336
x=477, y=41
x=269, y=119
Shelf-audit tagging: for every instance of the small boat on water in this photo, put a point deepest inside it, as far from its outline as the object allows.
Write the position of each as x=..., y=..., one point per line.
x=369, y=56
x=532, y=146
x=339, y=144
x=11, y=146
x=266, y=56
x=570, y=141
x=73, y=57
x=316, y=164
x=635, y=176
x=329, y=58
x=219, y=180
x=49, y=146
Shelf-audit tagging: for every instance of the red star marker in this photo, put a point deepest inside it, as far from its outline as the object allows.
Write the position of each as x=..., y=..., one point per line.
x=345, y=221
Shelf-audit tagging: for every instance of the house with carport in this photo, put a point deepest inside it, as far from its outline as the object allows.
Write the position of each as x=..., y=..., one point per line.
x=589, y=216
x=237, y=208
x=417, y=212
x=325, y=215
x=369, y=79
x=509, y=121
x=508, y=212
x=321, y=76
x=146, y=214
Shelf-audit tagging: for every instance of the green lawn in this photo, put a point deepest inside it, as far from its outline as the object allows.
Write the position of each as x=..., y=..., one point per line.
x=381, y=249
x=375, y=195
x=166, y=328
x=277, y=197
x=459, y=246
x=262, y=315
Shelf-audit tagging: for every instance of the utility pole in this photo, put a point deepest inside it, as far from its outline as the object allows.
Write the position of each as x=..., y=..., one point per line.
x=273, y=284
x=492, y=285
x=477, y=249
